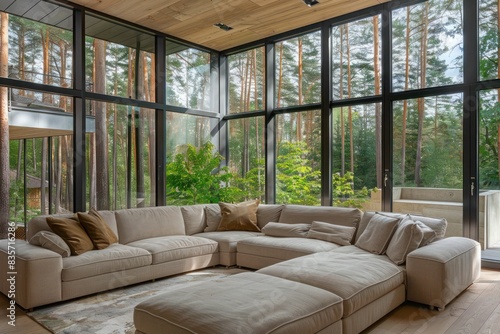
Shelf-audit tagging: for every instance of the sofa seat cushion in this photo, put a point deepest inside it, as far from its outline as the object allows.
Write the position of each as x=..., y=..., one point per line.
x=242, y=303
x=228, y=239
x=114, y=258
x=283, y=248
x=358, y=278
x=176, y=247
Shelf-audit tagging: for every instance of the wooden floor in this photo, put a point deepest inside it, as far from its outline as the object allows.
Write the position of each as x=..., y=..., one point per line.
x=477, y=310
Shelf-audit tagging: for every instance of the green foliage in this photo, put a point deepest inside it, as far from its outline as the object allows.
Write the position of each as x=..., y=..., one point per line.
x=195, y=177
x=297, y=182
x=344, y=193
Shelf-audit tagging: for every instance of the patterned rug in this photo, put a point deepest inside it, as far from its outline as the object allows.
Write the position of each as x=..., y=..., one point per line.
x=112, y=312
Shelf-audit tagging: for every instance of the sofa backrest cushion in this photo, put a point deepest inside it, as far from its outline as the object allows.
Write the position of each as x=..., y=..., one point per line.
x=212, y=217
x=377, y=235
x=142, y=223
x=300, y=214
x=194, y=218
x=268, y=213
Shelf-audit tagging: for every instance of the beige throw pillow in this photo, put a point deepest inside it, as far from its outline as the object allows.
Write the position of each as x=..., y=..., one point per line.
x=72, y=232
x=406, y=239
x=378, y=233
x=213, y=217
x=437, y=224
x=239, y=217
x=51, y=241
x=286, y=230
x=429, y=235
x=341, y=235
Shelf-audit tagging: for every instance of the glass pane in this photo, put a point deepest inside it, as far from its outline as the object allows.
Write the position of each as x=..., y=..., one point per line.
x=121, y=157
x=489, y=169
x=191, y=160
x=489, y=44
x=246, y=81
x=427, y=45
x=246, y=157
x=427, y=159
x=298, y=70
x=188, y=77
x=119, y=60
x=298, y=161
x=356, y=153
x=41, y=154
x=40, y=50
x=356, y=49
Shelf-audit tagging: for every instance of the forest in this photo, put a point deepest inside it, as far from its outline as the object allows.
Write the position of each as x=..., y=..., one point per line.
x=427, y=134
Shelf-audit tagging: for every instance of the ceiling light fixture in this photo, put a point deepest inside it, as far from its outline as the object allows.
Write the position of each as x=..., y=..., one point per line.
x=311, y=3
x=223, y=26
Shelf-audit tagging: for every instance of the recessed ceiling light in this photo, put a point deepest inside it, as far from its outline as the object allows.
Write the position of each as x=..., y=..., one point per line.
x=311, y=3
x=223, y=26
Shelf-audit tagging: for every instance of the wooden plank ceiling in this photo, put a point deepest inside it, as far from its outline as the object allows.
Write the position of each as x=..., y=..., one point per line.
x=251, y=20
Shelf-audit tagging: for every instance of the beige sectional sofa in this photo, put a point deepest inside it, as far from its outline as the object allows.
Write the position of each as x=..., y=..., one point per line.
x=304, y=283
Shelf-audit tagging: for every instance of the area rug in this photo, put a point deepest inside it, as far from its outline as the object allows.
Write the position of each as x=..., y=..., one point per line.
x=112, y=312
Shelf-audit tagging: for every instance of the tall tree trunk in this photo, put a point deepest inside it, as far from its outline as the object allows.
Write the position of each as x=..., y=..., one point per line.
x=46, y=64
x=151, y=133
x=421, y=101
x=300, y=93
x=280, y=76
x=349, y=91
x=4, y=127
x=58, y=178
x=341, y=94
x=21, y=55
x=498, y=92
x=405, y=102
x=101, y=129
x=43, y=178
x=378, y=109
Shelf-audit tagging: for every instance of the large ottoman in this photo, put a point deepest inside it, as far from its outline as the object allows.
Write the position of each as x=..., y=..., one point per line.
x=242, y=303
x=369, y=284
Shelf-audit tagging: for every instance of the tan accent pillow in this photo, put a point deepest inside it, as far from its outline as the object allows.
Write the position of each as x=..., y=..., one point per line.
x=239, y=217
x=51, y=241
x=73, y=234
x=99, y=232
x=406, y=239
x=378, y=233
x=286, y=230
x=429, y=234
x=341, y=235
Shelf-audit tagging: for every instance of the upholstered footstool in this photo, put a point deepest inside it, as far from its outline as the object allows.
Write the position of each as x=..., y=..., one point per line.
x=243, y=303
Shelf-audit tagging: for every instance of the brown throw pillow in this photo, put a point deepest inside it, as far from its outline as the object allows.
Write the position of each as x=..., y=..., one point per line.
x=73, y=234
x=99, y=232
x=239, y=217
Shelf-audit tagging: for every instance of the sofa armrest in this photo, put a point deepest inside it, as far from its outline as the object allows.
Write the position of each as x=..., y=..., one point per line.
x=36, y=277
x=440, y=271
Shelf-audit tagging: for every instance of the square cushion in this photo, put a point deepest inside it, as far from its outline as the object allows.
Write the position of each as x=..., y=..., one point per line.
x=241, y=303
x=212, y=216
x=73, y=234
x=99, y=232
x=112, y=259
x=51, y=241
x=429, y=235
x=341, y=235
x=175, y=247
x=437, y=224
x=194, y=218
x=239, y=217
x=405, y=240
x=378, y=233
x=142, y=223
x=286, y=230
x=359, y=278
